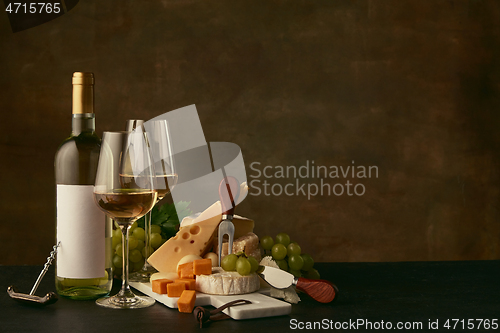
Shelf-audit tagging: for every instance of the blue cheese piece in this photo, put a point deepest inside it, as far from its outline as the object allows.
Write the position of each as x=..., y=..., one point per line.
x=221, y=282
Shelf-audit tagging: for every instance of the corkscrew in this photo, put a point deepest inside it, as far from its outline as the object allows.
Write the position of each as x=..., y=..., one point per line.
x=49, y=298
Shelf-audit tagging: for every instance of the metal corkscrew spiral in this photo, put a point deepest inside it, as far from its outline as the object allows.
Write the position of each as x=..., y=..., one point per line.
x=50, y=258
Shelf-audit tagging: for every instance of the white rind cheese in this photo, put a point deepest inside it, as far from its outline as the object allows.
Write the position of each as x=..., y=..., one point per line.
x=170, y=275
x=221, y=282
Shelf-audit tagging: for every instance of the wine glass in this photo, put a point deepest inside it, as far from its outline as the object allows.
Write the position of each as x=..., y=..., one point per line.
x=160, y=143
x=125, y=190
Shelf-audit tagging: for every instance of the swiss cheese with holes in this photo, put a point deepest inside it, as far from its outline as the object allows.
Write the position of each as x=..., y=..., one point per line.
x=191, y=239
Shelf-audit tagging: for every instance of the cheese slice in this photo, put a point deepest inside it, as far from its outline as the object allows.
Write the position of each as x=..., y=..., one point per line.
x=242, y=225
x=190, y=239
x=221, y=282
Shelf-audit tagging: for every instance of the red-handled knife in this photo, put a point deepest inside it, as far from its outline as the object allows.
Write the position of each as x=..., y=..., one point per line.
x=321, y=290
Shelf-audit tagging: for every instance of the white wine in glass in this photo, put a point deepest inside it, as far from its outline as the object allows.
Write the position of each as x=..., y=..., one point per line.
x=125, y=190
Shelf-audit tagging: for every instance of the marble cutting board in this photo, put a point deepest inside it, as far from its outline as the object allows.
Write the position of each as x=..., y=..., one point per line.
x=262, y=304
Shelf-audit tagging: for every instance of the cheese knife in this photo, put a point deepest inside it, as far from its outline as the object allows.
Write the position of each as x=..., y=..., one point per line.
x=321, y=290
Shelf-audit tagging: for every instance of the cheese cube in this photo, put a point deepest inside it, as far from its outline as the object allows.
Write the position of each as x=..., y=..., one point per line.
x=190, y=283
x=185, y=303
x=185, y=271
x=159, y=286
x=202, y=266
x=175, y=289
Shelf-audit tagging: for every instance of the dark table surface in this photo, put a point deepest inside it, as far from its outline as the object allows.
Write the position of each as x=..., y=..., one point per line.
x=395, y=293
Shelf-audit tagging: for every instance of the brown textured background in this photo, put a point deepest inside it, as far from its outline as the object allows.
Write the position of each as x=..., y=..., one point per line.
x=409, y=86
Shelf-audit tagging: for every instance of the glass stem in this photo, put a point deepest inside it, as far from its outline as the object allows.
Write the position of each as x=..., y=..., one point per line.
x=147, y=268
x=125, y=291
x=147, y=225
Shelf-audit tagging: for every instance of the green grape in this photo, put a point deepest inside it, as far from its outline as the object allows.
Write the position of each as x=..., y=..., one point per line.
x=243, y=266
x=283, y=238
x=155, y=240
x=155, y=228
x=119, y=250
x=295, y=262
x=115, y=242
x=229, y=262
x=144, y=251
x=135, y=256
x=139, y=233
x=116, y=239
x=282, y=264
x=138, y=265
x=278, y=251
x=293, y=248
x=312, y=274
x=295, y=273
x=118, y=234
x=254, y=263
x=140, y=245
x=308, y=262
x=267, y=242
x=117, y=261
x=132, y=227
x=132, y=243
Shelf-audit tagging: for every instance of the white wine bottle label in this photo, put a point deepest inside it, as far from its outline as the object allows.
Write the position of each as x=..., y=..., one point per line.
x=81, y=231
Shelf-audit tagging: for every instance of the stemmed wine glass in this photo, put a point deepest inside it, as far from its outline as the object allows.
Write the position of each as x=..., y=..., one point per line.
x=160, y=143
x=125, y=190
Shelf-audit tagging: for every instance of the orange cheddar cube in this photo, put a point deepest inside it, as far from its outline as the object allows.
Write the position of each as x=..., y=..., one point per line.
x=190, y=283
x=185, y=303
x=185, y=271
x=160, y=285
x=175, y=289
x=202, y=266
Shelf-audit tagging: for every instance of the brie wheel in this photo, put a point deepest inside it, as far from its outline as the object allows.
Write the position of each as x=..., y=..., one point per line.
x=221, y=282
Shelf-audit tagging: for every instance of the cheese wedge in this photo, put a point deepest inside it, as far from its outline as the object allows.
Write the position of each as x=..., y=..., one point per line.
x=215, y=211
x=191, y=239
x=242, y=225
x=196, y=235
x=221, y=282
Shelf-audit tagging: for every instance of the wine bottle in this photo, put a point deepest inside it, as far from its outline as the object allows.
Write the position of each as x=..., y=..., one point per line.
x=83, y=264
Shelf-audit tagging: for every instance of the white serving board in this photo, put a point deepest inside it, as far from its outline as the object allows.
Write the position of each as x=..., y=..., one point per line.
x=262, y=305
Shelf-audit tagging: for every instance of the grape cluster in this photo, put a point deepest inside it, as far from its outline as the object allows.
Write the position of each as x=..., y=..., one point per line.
x=288, y=255
x=136, y=247
x=240, y=263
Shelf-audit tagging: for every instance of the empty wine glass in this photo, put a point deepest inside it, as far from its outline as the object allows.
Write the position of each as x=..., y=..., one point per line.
x=160, y=143
x=125, y=190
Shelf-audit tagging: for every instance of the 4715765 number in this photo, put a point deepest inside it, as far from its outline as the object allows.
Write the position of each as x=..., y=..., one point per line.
x=33, y=8
x=471, y=324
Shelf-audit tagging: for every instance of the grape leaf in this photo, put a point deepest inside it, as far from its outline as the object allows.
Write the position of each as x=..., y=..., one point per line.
x=167, y=217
